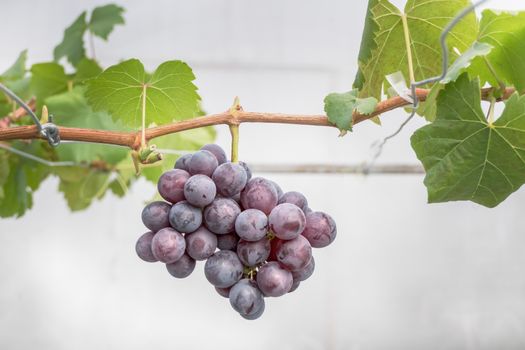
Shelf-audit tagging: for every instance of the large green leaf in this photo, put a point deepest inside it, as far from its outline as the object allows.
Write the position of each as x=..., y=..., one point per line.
x=17, y=70
x=466, y=157
x=340, y=108
x=104, y=19
x=72, y=46
x=425, y=20
x=505, y=31
x=86, y=69
x=169, y=93
x=48, y=79
x=88, y=185
x=71, y=109
x=368, y=42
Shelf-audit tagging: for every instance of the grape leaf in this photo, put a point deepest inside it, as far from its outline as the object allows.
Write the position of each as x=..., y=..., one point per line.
x=367, y=43
x=72, y=46
x=81, y=192
x=48, y=79
x=104, y=19
x=428, y=108
x=340, y=108
x=4, y=171
x=121, y=89
x=86, y=69
x=425, y=20
x=466, y=157
x=17, y=70
x=505, y=31
x=71, y=109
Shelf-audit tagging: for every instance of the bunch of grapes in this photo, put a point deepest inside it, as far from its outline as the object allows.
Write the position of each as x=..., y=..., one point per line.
x=257, y=241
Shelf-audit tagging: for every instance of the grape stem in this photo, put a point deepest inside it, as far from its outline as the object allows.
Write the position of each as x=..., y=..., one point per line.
x=133, y=139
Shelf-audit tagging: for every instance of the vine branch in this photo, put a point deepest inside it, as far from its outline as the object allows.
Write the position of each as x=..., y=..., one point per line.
x=133, y=139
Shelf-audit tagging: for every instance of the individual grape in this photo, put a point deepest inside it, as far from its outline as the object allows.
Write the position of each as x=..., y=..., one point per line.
x=183, y=162
x=199, y=190
x=304, y=273
x=320, y=229
x=287, y=221
x=223, y=292
x=223, y=269
x=217, y=151
x=247, y=169
x=246, y=298
x=295, y=285
x=227, y=241
x=273, y=280
x=155, y=215
x=251, y=225
x=168, y=245
x=202, y=162
x=220, y=215
x=296, y=198
x=201, y=244
x=294, y=254
x=185, y=218
x=230, y=179
x=143, y=247
x=277, y=188
x=259, y=194
x=255, y=315
x=182, y=268
x=171, y=185
x=253, y=253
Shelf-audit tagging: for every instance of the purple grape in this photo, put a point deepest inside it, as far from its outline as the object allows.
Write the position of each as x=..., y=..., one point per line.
x=308, y=210
x=185, y=218
x=277, y=188
x=294, y=254
x=143, y=247
x=223, y=292
x=255, y=315
x=304, y=273
x=223, y=269
x=287, y=221
x=296, y=198
x=247, y=169
x=155, y=215
x=168, y=245
x=273, y=280
x=182, y=268
x=320, y=229
x=171, y=185
x=220, y=215
x=201, y=244
x=227, y=241
x=295, y=285
x=183, y=162
x=202, y=162
x=199, y=190
x=230, y=179
x=246, y=298
x=217, y=151
x=253, y=253
x=259, y=194
x=251, y=225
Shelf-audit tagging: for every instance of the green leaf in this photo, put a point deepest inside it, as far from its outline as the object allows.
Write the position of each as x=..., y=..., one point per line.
x=48, y=79
x=505, y=31
x=190, y=140
x=86, y=69
x=79, y=194
x=367, y=43
x=17, y=70
x=72, y=46
x=104, y=19
x=340, y=108
x=71, y=109
x=121, y=89
x=426, y=20
x=467, y=158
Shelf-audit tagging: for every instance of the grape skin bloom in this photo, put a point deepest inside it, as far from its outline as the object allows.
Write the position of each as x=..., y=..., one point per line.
x=221, y=214
x=143, y=247
x=253, y=253
x=168, y=245
x=171, y=185
x=287, y=221
x=259, y=194
x=217, y=151
x=155, y=215
x=223, y=269
x=273, y=280
x=185, y=218
x=201, y=244
x=202, y=162
x=182, y=268
x=230, y=179
x=251, y=225
x=199, y=190
x=320, y=229
x=246, y=298
x=294, y=254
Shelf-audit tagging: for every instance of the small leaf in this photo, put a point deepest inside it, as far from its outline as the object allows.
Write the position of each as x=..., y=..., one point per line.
x=340, y=108
x=169, y=93
x=465, y=157
x=104, y=19
x=17, y=70
x=72, y=46
x=48, y=79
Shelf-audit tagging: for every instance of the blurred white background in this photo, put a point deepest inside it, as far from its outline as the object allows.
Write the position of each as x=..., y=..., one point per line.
x=401, y=275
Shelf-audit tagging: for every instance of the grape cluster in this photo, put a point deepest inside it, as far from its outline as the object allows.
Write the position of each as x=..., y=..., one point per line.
x=257, y=241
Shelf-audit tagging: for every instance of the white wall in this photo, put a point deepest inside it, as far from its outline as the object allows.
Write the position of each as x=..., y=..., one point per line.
x=401, y=275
